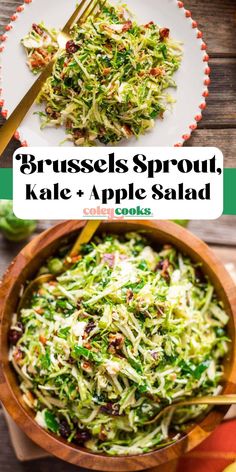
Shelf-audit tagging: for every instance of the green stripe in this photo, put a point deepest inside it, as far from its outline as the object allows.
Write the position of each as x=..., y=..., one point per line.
x=6, y=188
x=229, y=191
x=6, y=184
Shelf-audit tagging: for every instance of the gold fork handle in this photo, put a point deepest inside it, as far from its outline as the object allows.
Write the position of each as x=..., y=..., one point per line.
x=217, y=400
x=85, y=236
x=17, y=116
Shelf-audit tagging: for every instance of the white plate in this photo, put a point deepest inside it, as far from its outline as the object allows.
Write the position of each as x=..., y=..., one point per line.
x=192, y=78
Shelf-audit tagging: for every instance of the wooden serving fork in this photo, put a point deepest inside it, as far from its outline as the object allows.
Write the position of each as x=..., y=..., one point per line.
x=82, y=12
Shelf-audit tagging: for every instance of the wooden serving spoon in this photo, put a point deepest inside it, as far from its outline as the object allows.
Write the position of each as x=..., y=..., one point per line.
x=84, y=237
x=217, y=400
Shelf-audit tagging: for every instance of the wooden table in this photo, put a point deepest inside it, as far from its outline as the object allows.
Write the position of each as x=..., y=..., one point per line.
x=217, y=19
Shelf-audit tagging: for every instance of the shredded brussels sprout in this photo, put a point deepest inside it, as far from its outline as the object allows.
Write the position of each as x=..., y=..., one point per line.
x=121, y=332
x=110, y=83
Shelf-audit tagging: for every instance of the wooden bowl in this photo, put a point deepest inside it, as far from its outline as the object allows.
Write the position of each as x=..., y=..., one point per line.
x=25, y=266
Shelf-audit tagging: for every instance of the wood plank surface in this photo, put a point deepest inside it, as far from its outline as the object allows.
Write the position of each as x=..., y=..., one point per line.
x=221, y=104
x=217, y=20
x=221, y=232
x=224, y=139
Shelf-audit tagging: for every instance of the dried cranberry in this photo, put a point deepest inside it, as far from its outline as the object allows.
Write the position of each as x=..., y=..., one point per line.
x=159, y=266
x=16, y=334
x=71, y=360
x=82, y=435
x=53, y=113
x=64, y=429
x=78, y=133
x=128, y=131
x=71, y=47
x=164, y=33
x=200, y=277
x=90, y=326
x=37, y=29
x=110, y=409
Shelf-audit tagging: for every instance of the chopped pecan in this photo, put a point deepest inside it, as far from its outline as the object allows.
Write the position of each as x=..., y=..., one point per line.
x=53, y=113
x=53, y=283
x=107, y=70
x=87, y=346
x=87, y=366
x=129, y=295
x=103, y=434
x=167, y=247
x=116, y=341
x=164, y=266
x=149, y=24
x=40, y=311
x=42, y=339
x=164, y=33
x=156, y=72
x=127, y=26
x=18, y=355
x=78, y=133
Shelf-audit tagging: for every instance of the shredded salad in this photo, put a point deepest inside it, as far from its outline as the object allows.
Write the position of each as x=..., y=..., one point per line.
x=40, y=45
x=119, y=333
x=110, y=83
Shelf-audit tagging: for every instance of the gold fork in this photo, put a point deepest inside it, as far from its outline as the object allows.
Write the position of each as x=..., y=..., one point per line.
x=217, y=400
x=84, y=237
x=81, y=14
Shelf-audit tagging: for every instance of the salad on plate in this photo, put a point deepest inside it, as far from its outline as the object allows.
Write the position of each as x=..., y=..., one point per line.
x=112, y=80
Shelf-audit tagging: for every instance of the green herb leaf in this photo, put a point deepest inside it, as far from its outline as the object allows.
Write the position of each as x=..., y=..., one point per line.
x=80, y=351
x=63, y=333
x=51, y=421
